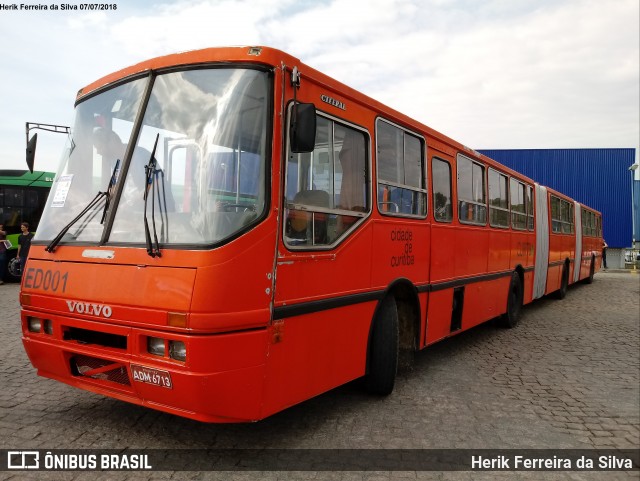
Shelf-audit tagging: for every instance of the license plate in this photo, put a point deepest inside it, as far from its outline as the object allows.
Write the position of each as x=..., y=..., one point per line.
x=153, y=376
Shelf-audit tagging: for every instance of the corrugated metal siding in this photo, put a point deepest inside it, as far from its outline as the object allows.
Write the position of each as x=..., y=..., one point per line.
x=599, y=178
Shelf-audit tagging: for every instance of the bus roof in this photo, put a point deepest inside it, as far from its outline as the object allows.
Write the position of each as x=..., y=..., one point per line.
x=245, y=54
x=262, y=55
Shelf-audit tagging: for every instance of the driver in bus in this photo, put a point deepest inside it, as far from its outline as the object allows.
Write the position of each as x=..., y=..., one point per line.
x=110, y=147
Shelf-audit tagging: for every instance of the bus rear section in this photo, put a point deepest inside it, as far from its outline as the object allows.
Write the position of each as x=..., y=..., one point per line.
x=574, y=245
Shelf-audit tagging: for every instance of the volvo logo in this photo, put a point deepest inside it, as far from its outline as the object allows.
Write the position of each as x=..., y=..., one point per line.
x=80, y=307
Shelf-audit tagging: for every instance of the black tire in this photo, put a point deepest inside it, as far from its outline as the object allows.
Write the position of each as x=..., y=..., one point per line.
x=13, y=273
x=564, y=284
x=592, y=271
x=383, y=349
x=515, y=298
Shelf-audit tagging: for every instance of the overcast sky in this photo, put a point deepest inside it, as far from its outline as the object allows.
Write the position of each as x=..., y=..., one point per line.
x=489, y=73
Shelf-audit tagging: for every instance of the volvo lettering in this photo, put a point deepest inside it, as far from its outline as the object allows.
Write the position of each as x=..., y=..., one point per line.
x=89, y=308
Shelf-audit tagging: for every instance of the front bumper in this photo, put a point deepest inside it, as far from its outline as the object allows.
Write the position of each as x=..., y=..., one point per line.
x=222, y=379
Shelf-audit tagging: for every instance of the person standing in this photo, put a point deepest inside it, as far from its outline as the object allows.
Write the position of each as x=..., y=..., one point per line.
x=24, y=244
x=3, y=253
x=604, y=253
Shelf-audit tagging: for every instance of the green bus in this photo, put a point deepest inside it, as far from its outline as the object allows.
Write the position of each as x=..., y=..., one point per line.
x=23, y=195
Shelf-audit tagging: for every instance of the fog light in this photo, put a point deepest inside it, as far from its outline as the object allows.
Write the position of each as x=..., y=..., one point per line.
x=48, y=326
x=35, y=324
x=177, y=350
x=155, y=346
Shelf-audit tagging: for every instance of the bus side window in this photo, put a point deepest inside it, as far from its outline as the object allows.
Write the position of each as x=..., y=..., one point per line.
x=401, y=182
x=326, y=189
x=498, y=199
x=518, y=205
x=441, y=176
x=472, y=207
x=530, y=208
x=555, y=215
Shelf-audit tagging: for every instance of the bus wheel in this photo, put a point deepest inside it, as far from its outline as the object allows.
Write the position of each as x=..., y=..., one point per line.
x=383, y=349
x=13, y=270
x=564, y=283
x=514, y=303
x=592, y=271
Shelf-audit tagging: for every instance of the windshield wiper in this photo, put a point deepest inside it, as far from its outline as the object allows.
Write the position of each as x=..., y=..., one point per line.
x=99, y=196
x=112, y=184
x=153, y=248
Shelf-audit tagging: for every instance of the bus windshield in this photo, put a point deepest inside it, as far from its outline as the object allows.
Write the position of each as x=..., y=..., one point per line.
x=208, y=181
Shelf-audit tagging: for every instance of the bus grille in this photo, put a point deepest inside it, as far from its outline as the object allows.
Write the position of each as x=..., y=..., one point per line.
x=86, y=336
x=96, y=368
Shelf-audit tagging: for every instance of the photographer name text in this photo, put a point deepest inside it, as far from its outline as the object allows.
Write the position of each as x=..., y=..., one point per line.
x=58, y=7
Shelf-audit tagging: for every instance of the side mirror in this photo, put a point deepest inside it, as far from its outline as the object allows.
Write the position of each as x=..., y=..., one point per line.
x=31, y=151
x=303, y=128
x=31, y=143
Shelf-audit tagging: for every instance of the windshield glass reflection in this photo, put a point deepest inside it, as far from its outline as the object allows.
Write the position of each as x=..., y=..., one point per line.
x=88, y=162
x=209, y=164
x=210, y=157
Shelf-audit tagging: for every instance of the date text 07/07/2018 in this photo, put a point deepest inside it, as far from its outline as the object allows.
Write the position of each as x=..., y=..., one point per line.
x=56, y=6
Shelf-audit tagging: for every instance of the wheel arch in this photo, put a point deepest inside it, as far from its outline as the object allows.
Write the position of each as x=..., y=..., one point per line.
x=405, y=295
x=520, y=271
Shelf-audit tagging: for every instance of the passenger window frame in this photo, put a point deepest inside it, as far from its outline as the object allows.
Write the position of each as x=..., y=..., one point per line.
x=472, y=202
x=523, y=215
x=449, y=219
x=503, y=182
x=289, y=207
x=419, y=191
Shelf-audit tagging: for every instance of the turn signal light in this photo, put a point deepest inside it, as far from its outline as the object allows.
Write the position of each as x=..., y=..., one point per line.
x=176, y=319
x=25, y=300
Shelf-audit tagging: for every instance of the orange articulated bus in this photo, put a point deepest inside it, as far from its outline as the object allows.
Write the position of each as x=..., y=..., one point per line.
x=231, y=232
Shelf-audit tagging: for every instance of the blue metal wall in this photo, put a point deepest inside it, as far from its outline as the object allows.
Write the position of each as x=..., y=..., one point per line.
x=599, y=178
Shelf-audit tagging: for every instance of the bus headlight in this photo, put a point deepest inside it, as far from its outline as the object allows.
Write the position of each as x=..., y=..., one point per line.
x=155, y=346
x=177, y=350
x=34, y=324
